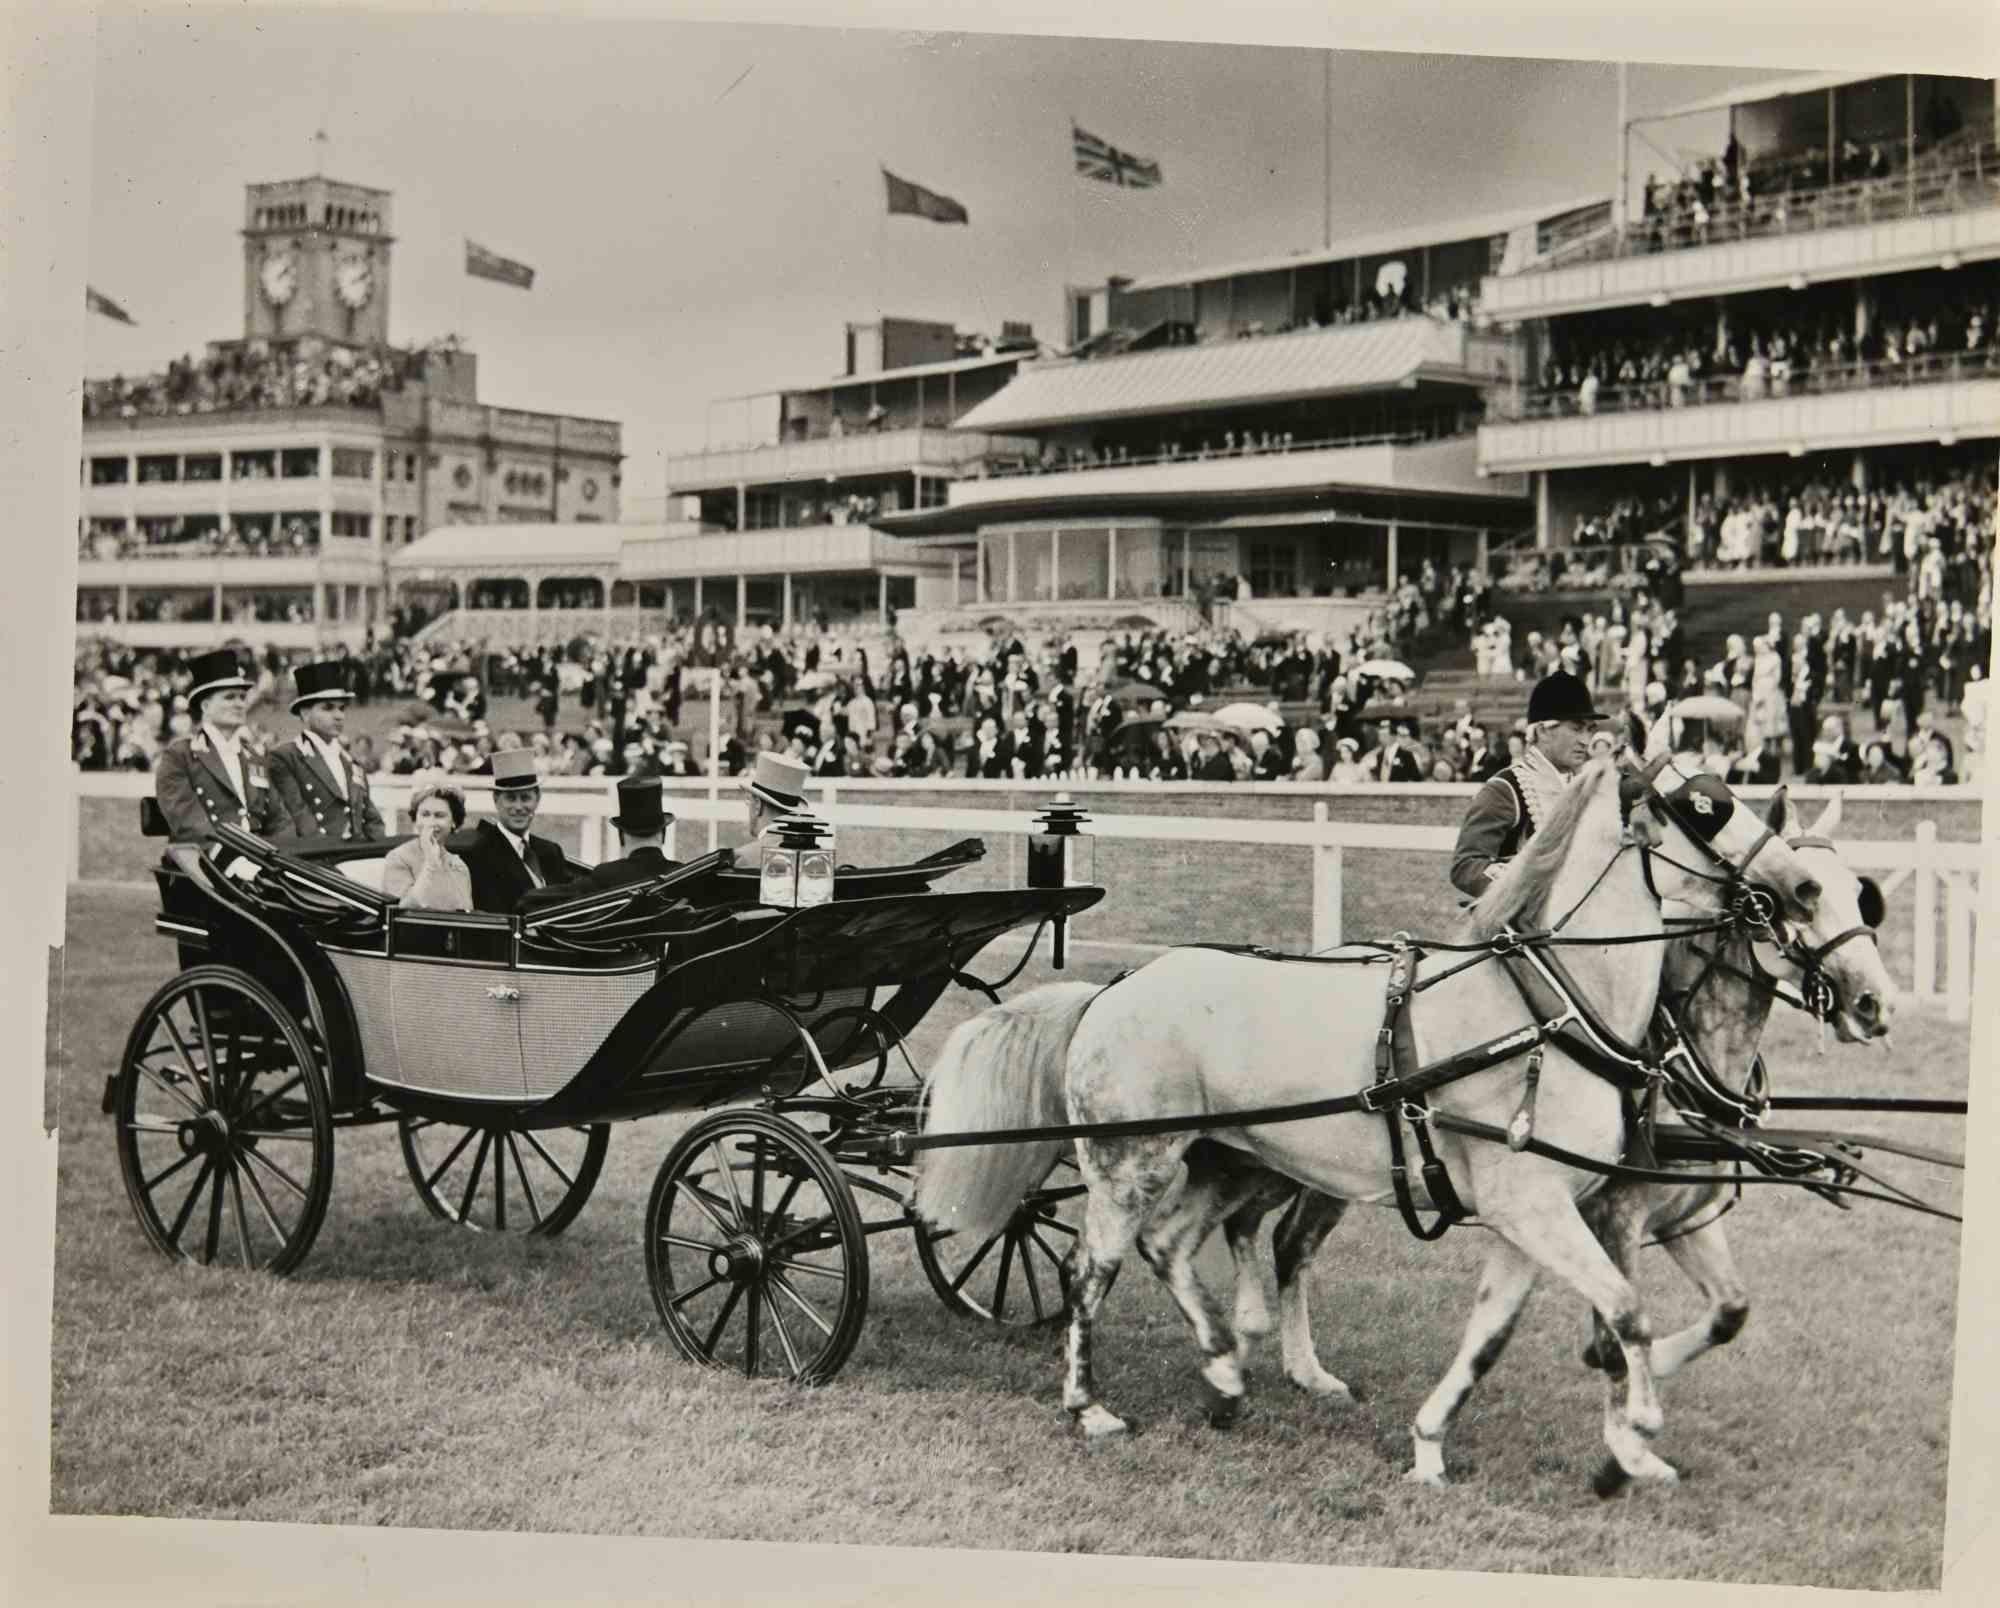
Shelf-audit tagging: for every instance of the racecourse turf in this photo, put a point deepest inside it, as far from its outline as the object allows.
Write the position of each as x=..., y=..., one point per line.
x=414, y=1375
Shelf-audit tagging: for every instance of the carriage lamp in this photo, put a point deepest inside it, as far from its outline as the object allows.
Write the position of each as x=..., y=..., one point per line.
x=797, y=863
x=1061, y=854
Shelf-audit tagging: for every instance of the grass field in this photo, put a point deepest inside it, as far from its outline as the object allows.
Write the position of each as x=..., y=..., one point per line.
x=414, y=1375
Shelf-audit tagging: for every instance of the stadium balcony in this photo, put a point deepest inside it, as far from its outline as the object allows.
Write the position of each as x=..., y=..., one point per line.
x=1939, y=396
x=1945, y=207
x=834, y=458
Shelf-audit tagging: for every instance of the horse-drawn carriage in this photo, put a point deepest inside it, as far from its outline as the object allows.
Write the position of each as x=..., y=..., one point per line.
x=503, y=1048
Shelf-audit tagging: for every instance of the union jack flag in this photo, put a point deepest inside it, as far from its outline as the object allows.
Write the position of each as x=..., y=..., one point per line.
x=1097, y=160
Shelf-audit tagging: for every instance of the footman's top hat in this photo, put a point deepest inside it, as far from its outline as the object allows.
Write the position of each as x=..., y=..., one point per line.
x=1560, y=696
x=215, y=671
x=325, y=682
x=513, y=769
x=639, y=807
x=778, y=780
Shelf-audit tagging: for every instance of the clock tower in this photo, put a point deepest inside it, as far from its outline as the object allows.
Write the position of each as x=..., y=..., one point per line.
x=316, y=261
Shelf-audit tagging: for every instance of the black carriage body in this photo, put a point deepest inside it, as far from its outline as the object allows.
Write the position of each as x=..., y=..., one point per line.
x=674, y=995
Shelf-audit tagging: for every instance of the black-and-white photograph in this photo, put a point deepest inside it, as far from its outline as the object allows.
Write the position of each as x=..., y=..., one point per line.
x=933, y=790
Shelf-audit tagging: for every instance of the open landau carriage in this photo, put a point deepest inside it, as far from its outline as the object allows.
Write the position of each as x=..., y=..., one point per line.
x=504, y=1047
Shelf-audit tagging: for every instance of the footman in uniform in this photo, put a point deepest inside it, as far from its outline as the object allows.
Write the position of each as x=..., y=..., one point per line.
x=210, y=777
x=776, y=788
x=323, y=790
x=505, y=858
x=1505, y=810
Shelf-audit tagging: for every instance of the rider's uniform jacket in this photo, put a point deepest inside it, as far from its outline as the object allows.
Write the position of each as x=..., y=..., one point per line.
x=1500, y=821
x=195, y=793
x=317, y=805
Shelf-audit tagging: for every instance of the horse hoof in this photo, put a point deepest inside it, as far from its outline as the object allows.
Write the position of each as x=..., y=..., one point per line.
x=1221, y=1410
x=1427, y=1479
x=1099, y=1424
x=1324, y=1385
x=1609, y=1479
x=1592, y=1358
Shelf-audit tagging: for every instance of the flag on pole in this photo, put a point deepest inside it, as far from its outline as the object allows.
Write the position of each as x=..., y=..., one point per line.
x=917, y=202
x=1097, y=160
x=95, y=301
x=484, y=264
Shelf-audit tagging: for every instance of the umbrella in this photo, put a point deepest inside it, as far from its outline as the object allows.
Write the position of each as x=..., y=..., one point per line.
x=1134, y=622
x=1385, y=670
x=1707, y=706
x=1142, y=690
x=1191, y=720
x=1248, y=717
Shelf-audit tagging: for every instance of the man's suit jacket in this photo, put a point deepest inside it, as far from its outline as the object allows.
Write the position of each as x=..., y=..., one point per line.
x=499, y=879
x=194, y=792
x=317, y=807
x=643, y=862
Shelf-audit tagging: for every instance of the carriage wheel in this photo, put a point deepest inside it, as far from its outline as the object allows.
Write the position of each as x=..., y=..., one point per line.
x=1020, y=1277
x=225, y=1129
x=499, y=1179
x=755, y=1251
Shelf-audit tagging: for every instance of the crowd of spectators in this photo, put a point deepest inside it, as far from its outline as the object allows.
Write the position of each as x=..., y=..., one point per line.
x=232, y=375
x=204, y=536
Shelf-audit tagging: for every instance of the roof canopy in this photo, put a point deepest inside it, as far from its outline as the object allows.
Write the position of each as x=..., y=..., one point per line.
x=1773, y=89
x=1266, y=368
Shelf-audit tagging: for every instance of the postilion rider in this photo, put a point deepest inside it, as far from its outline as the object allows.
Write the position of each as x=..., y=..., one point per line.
x=322, y=789
x=1506, y=809
x=776, y=788
x=211, y=777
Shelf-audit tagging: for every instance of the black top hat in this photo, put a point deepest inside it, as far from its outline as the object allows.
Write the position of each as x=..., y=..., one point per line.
x=639, y=809
x=213, y=672
x=324, y=682
x=1560, y=696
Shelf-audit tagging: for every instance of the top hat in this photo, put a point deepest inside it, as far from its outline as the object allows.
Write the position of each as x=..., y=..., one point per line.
x=778, y=781
x=324, y=682
x=215, y=671
x=1560, y=696
x=640, y=813
x=514, y=768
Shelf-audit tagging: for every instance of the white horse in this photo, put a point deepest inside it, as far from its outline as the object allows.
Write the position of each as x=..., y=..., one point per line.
x=1721, y=988
x=1205, y=1032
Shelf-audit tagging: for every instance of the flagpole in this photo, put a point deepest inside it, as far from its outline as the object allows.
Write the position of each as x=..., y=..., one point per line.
x=1326, y=188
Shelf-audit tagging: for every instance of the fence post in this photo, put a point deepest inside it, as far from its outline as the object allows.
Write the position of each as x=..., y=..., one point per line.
x=591, y=839
x=1958, y=949
x=1326, y=886
x=1924, y=941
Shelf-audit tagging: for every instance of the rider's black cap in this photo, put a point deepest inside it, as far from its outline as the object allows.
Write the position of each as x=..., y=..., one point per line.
x=1560, y=696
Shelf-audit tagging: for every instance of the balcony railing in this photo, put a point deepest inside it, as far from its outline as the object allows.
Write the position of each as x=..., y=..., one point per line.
x=1265, y=445
x=834, y=457
x=1930, y=368
x=1965, y=177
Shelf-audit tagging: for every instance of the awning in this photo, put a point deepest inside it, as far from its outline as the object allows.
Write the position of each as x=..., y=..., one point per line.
x=1265, y=368
x=1770, y=89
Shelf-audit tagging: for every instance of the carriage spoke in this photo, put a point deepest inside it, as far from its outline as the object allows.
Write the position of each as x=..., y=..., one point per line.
x=271, y=1166
x=238, y=1080
x=155, y=1125
x=805, y=1306
x=1028, y=1272
x=278, y=1093
x=242, y=1221
x=686, y=1187
x=1000, y=1281
x=728, y=1181
x=264, y=1205
x=966, y=1272
x=527, y=1185
x=211, y=1240
x=187, y=1206
x=290, y=1136
x=682, y=1297
x=430, y=1183
x=472, y=1183
x=187, y=1060
x=785, y=1335
x=721, y=1319
x=207, y=1049
x=499, y=1183
x=786, y=1265
x=161, y=1083
x=752, y=1326
x=812, y=1226
x=167, y=1172
x=554, y=1165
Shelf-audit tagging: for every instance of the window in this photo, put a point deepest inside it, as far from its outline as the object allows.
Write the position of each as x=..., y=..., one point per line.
x=353, y=463
x=301, y=463
x=355, y=526
x=159, y=471
x=203, y=466
x=1273, y=569
x=110, y=471
x=253, y=466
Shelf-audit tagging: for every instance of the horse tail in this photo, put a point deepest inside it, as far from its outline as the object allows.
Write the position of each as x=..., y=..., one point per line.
x=1003, y=1069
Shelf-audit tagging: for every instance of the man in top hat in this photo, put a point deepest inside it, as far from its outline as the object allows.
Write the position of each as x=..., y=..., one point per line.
x=508, y=861
x=211, y=777
x=776, y=787
x=642, y=823
x=1505, y=811
x=323, y=790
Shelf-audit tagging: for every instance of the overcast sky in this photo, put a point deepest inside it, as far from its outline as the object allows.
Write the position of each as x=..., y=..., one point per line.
x=702, y=203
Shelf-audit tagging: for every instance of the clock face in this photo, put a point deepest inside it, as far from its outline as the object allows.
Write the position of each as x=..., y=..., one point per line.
x=354, y=281
x=279, y=277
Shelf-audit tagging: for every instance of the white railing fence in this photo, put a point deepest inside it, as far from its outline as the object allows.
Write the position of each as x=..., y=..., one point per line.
x=1923, y=862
